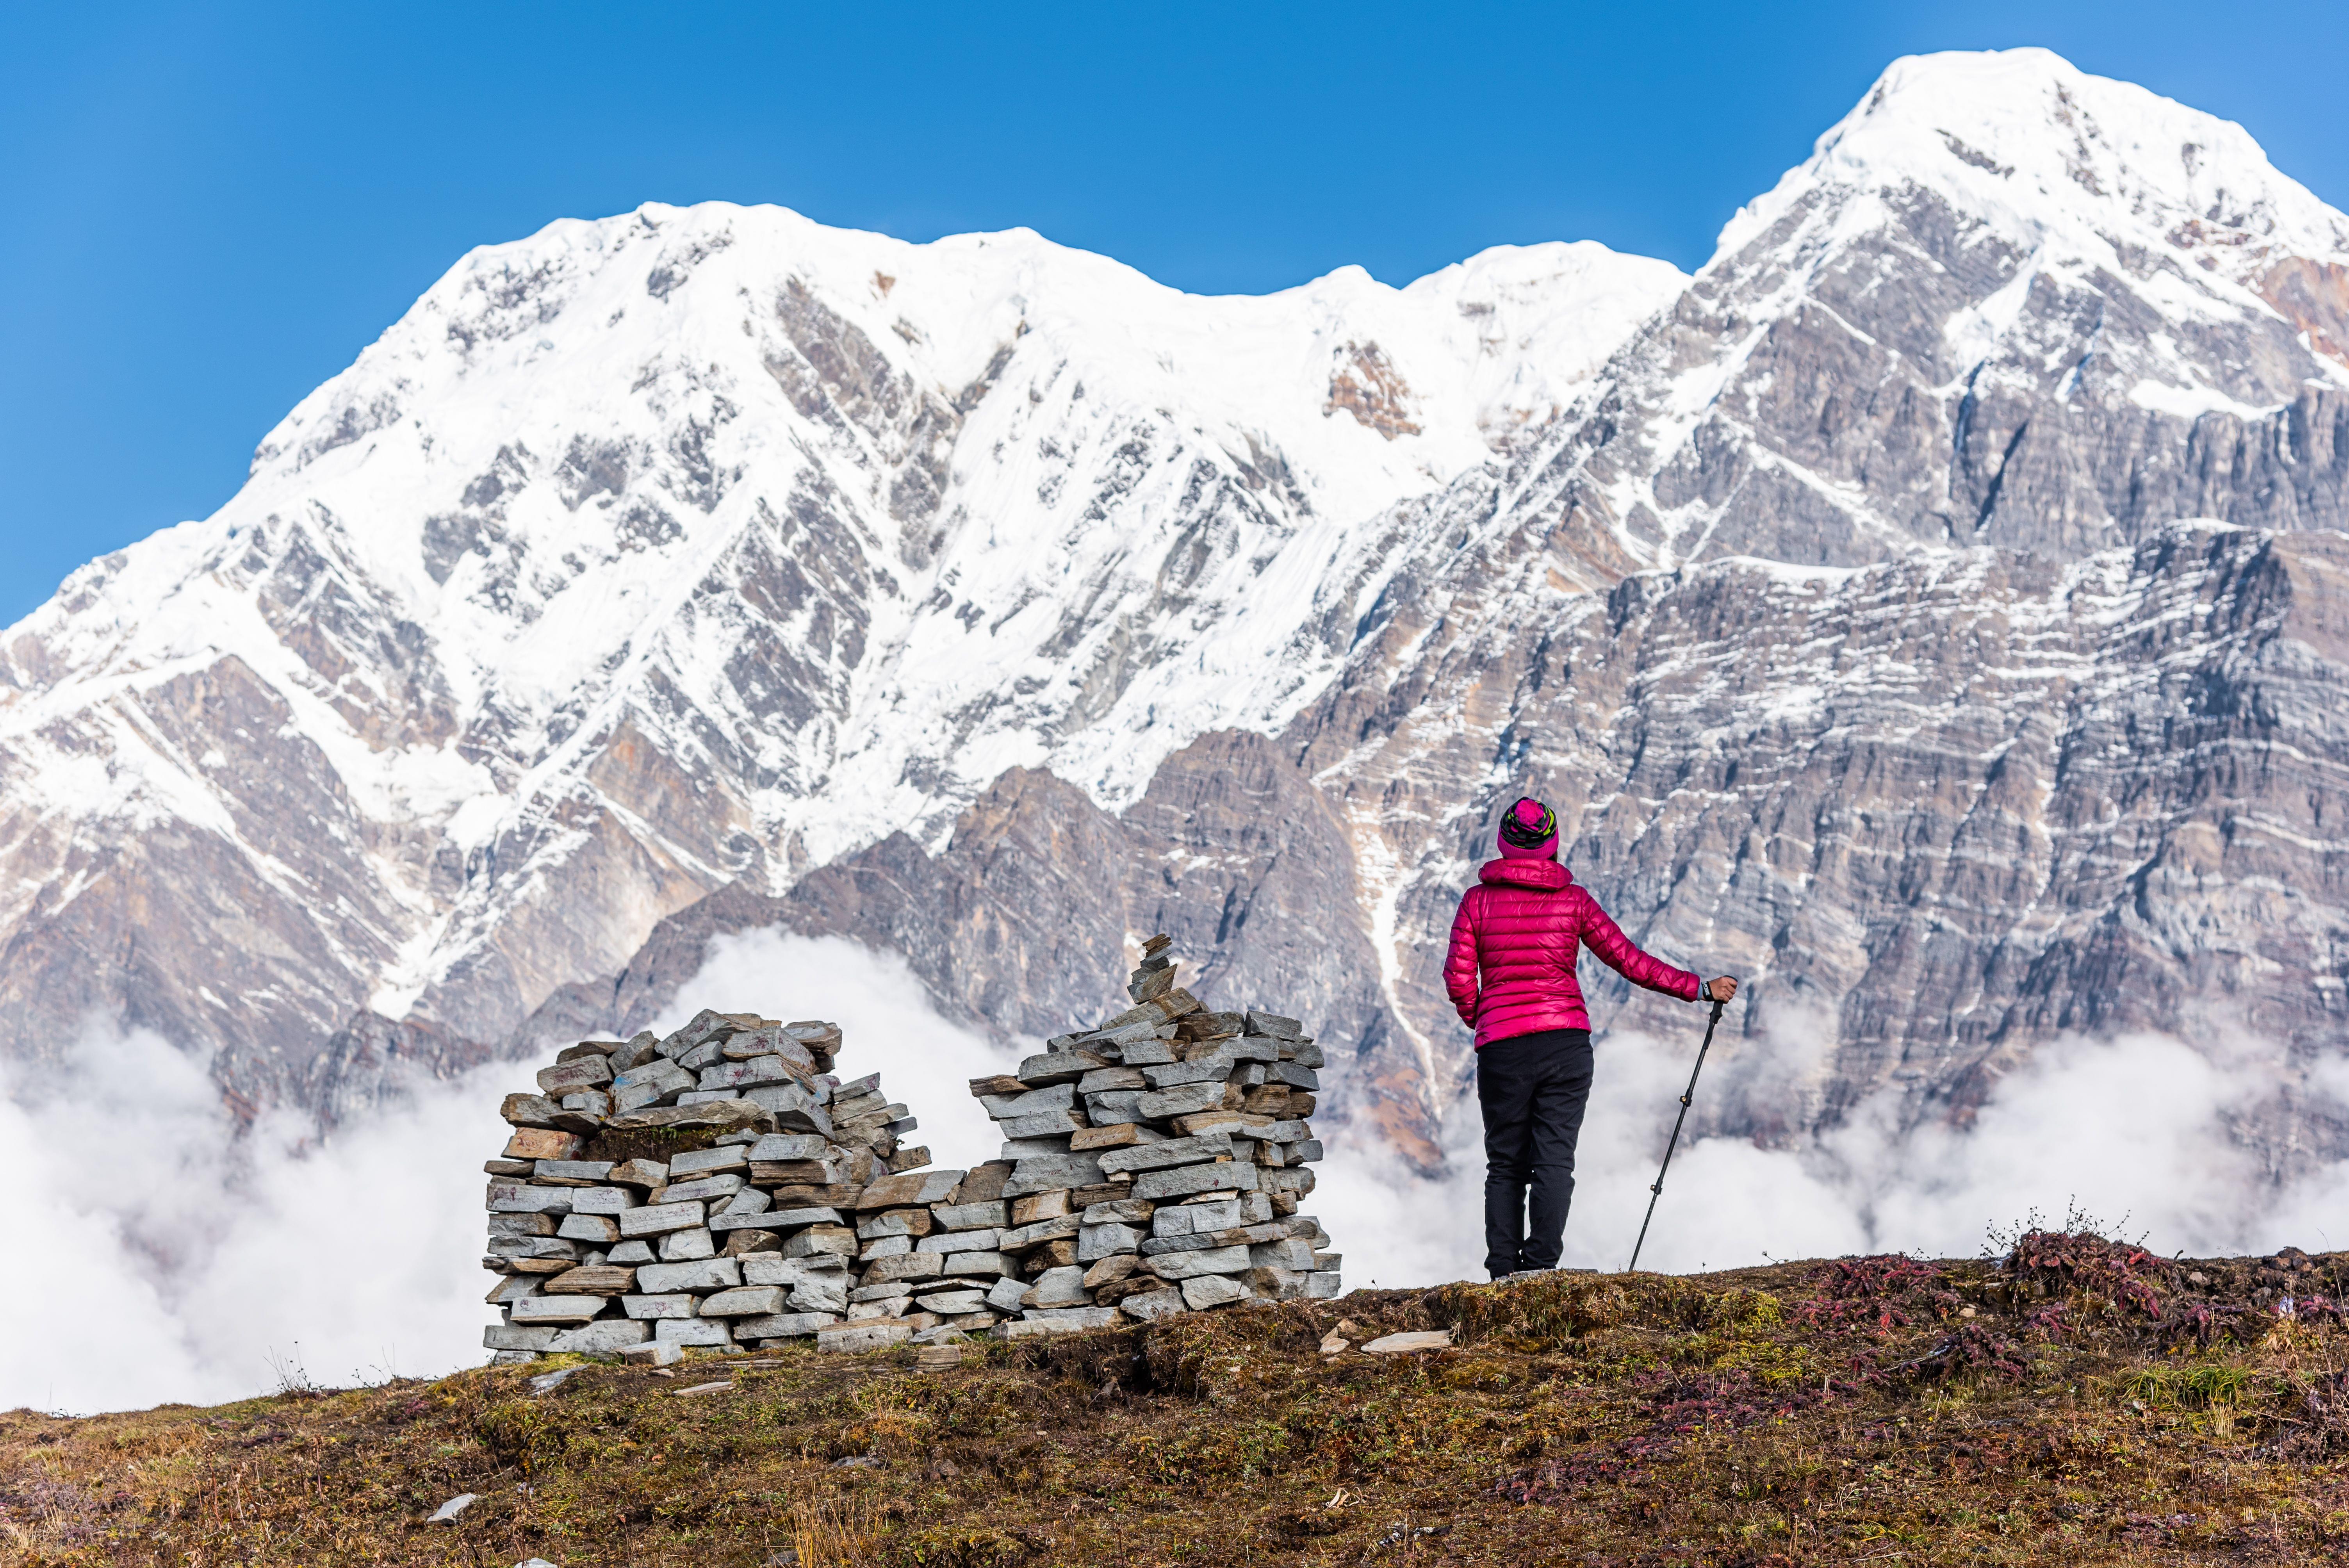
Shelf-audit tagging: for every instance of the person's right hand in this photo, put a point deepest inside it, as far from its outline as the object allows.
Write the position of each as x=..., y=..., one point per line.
x=1722, y=990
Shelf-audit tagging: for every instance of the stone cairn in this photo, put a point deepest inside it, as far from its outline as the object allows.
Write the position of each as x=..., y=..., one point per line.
x=722, y=1190
x=1152, y=1164
x=688, y=1192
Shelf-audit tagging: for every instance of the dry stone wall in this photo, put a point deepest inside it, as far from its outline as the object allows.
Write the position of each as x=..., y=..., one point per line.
x=723, y=1188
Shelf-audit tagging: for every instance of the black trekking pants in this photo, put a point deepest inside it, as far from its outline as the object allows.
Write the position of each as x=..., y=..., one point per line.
x=1532, y=1088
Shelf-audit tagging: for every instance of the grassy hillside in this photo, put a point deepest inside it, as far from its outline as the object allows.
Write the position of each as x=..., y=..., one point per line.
x=2084, y=1403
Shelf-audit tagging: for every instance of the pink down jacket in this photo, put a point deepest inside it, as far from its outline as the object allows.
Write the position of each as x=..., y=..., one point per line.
x=1510, y=969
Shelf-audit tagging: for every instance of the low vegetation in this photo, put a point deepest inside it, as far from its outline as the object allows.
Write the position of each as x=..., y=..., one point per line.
x=2078, y=1401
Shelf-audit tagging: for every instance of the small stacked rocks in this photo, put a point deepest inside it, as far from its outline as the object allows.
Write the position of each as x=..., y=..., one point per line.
x=1153, y=1164
x=691, y=1191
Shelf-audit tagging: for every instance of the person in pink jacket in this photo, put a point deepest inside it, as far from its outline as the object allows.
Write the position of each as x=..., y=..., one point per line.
x=1510, y=973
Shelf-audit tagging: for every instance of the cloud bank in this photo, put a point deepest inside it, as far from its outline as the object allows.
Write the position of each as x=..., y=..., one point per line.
x=2134, y=1130
x=168, y=1260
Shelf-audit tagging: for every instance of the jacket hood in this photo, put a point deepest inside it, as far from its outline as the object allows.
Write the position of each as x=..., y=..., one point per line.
x=1517, y=872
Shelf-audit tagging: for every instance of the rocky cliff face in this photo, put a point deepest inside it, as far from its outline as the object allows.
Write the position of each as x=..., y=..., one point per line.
x=1934, y=610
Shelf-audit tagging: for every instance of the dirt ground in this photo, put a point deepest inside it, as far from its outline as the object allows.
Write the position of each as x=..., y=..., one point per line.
x=2078, y=1402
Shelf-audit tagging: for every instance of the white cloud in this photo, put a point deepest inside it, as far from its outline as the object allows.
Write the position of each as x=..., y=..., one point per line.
x=174, y=1261
x=2135, y=1130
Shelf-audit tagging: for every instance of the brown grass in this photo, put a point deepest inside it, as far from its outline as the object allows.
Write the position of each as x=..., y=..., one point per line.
x=2088, y=1405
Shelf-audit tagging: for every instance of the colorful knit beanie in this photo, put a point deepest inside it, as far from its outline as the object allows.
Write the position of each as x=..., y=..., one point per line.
x=1529, y=831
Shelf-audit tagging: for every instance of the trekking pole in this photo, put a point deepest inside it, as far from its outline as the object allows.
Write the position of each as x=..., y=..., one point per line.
x=1657, y=1190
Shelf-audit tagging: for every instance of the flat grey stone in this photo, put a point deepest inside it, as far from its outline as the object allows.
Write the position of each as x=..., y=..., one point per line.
x=1408, y=1344
x=447, y=1511
x=649, y=1307
x=1095, y=1242
x=570, y=1078
x=744, y=1301
x=958, y=1242
x=1114, y=1107
x=601, y=1229
x=570, y=1172
x=653, y=1353
x=1062, y=1287
x=685, y=1246
x=821, y=1294
x=1033, y=1102
x=1051, y=1171
x=773, y=1268
x=518, y=1336
x=971, y=1216
x=1006, y=1294
x=656, y=1219
x=606, y=1338
x=1044, y=1124
x=704, y=1274
x=1212, y=1067
x=1321, y=1285
x=744, y=1075
x=698, y=1162
x=1289, y=1252
x=909, y=1267
x=523, y=1198
x=1186, y=1219
x=1149, y=1307
x=1018, y=1149
x=1205, y=1146
x=701, y=1189
x=1056, y=1068
x=632, y=1253
x=981, y=1264
x=783, y=1326
x=1204, y=1261
x=1205, y=1291
x=698, y=1333
x=1161, y=1105
x=1182, y=1179
x=781, y=1146
x=1118, y=1211
x=1021, y=1238
x=604, y=1200
x=531, y=1109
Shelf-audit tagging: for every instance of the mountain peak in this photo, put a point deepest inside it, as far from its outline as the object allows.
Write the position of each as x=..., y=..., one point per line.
x=2044, y=151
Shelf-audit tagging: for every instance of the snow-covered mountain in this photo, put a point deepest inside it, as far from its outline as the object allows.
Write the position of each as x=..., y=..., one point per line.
x=707, y=567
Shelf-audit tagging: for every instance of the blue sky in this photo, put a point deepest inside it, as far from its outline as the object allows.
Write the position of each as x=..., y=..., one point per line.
x=210, y=210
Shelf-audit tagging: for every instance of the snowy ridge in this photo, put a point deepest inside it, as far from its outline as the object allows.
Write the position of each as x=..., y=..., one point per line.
x=836, y=526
